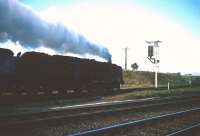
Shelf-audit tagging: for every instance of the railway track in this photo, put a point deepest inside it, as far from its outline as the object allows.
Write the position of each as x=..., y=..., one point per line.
x=63, y=112
x=115, y=129
x=13, y=99
x=55, y=115
x=188, y=131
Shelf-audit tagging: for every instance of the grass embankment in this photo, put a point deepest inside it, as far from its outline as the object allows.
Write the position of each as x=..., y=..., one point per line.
x=154, y=93
x=137, y=79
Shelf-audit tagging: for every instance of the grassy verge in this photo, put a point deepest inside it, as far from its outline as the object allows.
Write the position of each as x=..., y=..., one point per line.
x=128, y=86
x=154, y=93
x=146, y=78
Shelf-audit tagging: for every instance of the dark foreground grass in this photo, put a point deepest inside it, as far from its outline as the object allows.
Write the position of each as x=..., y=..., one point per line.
x=154, y=93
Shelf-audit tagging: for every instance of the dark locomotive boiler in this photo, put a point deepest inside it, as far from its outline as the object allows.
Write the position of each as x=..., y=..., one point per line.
x=33, y=73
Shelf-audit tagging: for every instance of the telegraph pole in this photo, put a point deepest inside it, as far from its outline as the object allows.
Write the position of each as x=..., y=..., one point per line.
x=126, y=49
x=153, y=51
x=126, y=57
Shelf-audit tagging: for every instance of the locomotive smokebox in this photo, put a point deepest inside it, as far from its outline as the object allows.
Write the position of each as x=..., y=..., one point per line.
x=110, y=61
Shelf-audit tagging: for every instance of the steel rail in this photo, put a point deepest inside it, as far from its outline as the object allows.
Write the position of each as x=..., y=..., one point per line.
x=102, y=104
x=186, y=131
x=114, y=128
x=87, y=111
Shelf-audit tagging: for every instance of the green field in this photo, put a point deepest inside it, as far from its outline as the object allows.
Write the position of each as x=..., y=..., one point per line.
x=155, y=93
x=143, y=79
x=135, y=79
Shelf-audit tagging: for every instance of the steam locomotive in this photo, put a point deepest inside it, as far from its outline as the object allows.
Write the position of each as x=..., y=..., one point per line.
x=34, y=73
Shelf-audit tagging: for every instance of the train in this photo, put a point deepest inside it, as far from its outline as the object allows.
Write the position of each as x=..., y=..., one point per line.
x=37, y=73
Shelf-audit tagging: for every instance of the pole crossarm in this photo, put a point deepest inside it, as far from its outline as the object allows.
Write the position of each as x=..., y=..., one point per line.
x=152, y=60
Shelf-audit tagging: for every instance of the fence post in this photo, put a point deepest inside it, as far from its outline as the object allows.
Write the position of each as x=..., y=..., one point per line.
x=168, y=88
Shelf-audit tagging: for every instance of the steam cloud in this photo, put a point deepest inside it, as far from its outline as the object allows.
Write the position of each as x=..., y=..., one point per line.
x=19, y=23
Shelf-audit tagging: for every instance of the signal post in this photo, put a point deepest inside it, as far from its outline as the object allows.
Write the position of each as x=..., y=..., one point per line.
x=153, y=52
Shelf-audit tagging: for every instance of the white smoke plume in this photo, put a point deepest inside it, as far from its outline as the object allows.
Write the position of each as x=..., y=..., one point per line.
x=19, y=23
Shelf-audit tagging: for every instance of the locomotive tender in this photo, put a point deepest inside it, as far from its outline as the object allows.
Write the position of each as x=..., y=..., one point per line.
x=34, y=72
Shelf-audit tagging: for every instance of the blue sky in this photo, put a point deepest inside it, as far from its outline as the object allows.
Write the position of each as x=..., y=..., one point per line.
x=186, y=12
x=117, y=24
x=183, y=11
